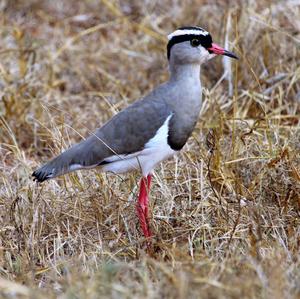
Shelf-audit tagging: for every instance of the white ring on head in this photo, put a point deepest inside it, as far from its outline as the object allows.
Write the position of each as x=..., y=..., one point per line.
x=187, y=32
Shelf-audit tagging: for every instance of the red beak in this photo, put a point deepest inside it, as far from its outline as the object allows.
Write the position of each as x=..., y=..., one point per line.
x=216, y=49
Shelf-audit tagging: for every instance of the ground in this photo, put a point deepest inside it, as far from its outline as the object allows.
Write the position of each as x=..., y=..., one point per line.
x=225, y=210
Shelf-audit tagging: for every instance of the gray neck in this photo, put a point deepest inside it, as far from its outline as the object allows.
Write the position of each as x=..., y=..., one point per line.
x=185, y=72
x=185, y=101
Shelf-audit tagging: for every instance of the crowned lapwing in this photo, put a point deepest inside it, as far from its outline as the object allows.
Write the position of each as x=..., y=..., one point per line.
x=153, y=128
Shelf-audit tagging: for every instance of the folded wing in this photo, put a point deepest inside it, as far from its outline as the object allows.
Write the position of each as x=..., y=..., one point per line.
x=125, y=134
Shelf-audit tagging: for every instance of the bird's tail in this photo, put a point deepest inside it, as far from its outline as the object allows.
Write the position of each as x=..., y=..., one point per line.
x=68, y=161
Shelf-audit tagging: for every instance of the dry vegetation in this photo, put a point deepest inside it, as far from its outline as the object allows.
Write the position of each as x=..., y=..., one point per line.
x=226, y=210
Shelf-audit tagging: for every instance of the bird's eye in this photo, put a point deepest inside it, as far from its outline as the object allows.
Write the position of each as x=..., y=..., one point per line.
x=195, y=42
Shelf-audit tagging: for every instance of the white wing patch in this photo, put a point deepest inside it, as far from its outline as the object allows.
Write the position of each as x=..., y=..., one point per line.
x=115, y=158
x=179, y=32
x=74, y=167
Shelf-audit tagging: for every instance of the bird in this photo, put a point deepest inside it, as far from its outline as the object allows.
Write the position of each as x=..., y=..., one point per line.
x=153, y=128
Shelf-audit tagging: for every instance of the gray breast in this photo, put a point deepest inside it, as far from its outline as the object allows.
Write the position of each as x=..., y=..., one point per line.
x=185, y=105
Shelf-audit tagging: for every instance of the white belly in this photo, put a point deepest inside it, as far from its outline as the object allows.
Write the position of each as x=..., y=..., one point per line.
x=145, y=161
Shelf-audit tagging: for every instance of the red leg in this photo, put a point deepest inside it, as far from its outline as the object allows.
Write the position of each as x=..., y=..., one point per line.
x=142, y=205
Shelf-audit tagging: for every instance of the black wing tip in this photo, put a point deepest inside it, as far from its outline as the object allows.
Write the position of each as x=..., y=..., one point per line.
x=39, y=176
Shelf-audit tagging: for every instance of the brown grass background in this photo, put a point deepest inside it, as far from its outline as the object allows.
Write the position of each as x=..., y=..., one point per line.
x=225, y=211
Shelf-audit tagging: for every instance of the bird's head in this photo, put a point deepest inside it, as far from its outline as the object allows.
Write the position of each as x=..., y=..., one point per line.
x=193, y=45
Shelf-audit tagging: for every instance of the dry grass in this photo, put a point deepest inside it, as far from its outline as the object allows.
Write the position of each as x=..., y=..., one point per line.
x=226, y=210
